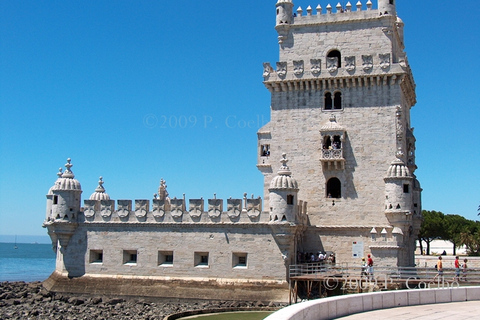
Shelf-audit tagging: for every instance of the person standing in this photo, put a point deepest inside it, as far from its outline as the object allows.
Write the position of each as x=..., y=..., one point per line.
x=457, y=269
x=464, y=269
x=370, y=266
x=439, y=268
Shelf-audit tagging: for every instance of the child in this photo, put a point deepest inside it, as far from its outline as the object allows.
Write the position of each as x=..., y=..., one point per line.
x=464, y=269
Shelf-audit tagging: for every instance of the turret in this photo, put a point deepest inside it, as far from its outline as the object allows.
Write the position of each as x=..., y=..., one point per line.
x=284, y=12
x=283, y=195
x=63, y=198
x=387, y=7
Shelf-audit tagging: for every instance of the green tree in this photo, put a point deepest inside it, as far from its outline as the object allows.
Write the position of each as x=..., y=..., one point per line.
x=471, y=238
x=454, y=226
x=433, y=227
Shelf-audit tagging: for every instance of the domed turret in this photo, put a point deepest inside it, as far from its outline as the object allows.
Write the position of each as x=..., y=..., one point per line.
x=63, y=198
x=283, y=193
x=387, y=7
x=284, y=12
x=100, y=193
x=398, y=187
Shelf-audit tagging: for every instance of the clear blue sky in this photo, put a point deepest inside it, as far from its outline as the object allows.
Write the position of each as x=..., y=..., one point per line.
x=136, y=91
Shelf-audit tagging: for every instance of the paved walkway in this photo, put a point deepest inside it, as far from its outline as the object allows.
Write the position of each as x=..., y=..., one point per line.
x=453, y=310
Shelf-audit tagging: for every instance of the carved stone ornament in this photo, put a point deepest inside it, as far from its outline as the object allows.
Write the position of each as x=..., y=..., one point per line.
x=141, y=208
x=350, y=63
x=234, y=208
x=384, y=61
x=124, y=207
x=281, y=69
x=332, y=64
x=254, y=207
x=367, y=62
x=267, y=69
x=195, y=207
x=176, y=207
x=400, y=132
x=106, y=208
x=316, y=66
x=215, y=208
x=89, y=208
x=159, y=208
x=298, y=67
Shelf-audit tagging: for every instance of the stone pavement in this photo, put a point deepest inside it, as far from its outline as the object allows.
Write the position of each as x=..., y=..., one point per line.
x=453, y=310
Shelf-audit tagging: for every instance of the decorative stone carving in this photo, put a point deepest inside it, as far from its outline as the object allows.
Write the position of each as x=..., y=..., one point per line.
x=177, y=207
x=316, y=66
x=124, y=208
x=400, y=132
x=254, y=207
x=234, y=207
x=159, y=208
x=298, y=67
x=267, y=69
x=196, y=207
x=367, y=62
x=89, y=208
x=384, y=61
x=281, y=69
x=106, y=208
x=332, y=64
x=215, y=207
x=350, y=63
x=141, y=208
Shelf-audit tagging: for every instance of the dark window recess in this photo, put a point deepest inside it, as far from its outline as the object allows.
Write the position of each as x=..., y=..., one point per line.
x=406, y=188
x=328, y=101
x=55, y=199
x=242, y=261
x=265, y=150
x=334, y=188
x=290, y=199
x=337, y=100
x=336, y=54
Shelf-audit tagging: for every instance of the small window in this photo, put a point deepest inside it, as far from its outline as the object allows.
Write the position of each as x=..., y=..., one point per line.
x=165, y=258
x=201, y=259
x=328, y=101
x=290, y=198
x=129, y=257
x=406, y=188
x=336, y=53
x=55, y=199
x=391, y=2
x=96, y=256
x=337, y=100
x=239, y=260
x=334, y=188
x=265, y=150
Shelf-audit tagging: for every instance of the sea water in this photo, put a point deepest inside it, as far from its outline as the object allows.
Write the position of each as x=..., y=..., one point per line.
x=26, y=262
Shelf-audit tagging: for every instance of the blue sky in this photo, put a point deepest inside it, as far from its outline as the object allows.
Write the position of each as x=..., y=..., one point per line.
x=136, y=91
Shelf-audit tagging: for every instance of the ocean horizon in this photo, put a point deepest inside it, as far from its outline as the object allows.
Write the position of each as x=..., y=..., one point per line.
x=26, y=261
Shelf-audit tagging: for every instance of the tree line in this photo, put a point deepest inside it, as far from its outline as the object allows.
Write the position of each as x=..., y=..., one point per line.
x=450, y=227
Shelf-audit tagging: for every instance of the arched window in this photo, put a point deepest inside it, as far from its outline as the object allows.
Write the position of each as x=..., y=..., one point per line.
x=336, y=54
x=337, y=100
x=334, y=188
x=328, y=101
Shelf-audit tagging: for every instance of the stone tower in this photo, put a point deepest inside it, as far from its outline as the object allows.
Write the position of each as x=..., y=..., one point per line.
x=341, y=96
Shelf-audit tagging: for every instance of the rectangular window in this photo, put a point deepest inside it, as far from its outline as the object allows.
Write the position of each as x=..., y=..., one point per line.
x=96, y=256
x=201, y=259
x=239, y=260
x=406, y=188
x=129, y=256
x=165, y=258
x=55, y=199
x=265, y=150
x=290, y=199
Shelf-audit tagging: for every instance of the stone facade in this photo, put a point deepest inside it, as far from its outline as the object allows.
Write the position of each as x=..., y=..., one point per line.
x=341, y=99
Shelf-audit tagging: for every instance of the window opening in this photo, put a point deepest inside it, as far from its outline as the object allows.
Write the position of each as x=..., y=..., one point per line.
x=55, y=199
x=406, y=188
x=239, y=259
x=328, y=101
x=337, y=143
x=201, y=259
x=290, y=199
x=334, y=188
x=336, y=54
x=165, y=258
x=265, y=150
x=96, y=256
x=337, y=100
x=129, y=257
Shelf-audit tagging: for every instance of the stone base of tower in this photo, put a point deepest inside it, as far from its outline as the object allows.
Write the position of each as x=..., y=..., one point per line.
x=156, y=287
